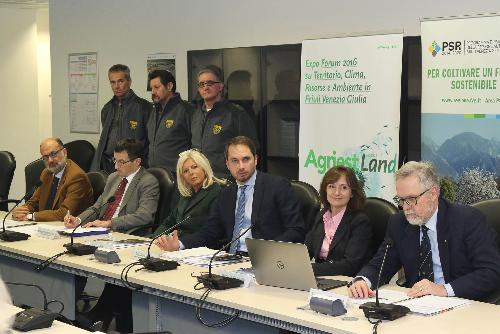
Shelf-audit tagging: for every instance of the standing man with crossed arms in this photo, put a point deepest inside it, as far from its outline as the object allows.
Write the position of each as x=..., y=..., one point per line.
x=124, y=116
x=217, y=120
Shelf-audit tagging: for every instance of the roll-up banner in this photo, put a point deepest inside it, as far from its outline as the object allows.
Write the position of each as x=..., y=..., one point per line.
x=461, y=94
x=349, y=111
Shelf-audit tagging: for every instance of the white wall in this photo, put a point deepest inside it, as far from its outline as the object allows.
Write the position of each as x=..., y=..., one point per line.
x=124, y=31
x=20, y=102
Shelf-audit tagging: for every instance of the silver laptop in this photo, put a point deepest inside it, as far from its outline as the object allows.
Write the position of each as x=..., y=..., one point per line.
x=285, y=265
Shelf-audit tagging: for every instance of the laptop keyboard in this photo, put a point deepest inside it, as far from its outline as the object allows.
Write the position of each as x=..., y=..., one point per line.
x=328, y=284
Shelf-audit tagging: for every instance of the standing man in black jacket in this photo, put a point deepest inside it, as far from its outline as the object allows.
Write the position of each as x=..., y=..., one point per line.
x=124, y=116
x=169, y=126
x=217, y=121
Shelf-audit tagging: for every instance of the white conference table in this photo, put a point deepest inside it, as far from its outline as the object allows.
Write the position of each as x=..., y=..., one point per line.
x=166, y=300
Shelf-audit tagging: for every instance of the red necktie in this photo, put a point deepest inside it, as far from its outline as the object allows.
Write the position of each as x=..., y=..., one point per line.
x=110, y=210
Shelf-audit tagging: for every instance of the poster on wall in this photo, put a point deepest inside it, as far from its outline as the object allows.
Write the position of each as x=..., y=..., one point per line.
x=349, y=109
x=83, y=86
x=461, y=95
x=159, y=61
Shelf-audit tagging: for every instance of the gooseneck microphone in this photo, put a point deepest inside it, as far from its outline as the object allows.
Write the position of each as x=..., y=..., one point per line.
x=79, y=248
x=219, y=282
x=383, y=311
x=156, y=264
x=12, y=235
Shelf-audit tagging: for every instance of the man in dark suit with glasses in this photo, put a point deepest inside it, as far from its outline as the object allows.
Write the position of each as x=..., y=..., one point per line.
x=445, y=249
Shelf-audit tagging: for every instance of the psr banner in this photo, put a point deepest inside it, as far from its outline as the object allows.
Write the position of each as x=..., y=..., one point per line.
x=461, y=95
x=349, y=111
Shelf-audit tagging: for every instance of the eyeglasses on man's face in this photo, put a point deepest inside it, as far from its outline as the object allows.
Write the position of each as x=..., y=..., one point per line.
x=52, y=154
x=410, y=200
x=121, y=162
x=208, y=83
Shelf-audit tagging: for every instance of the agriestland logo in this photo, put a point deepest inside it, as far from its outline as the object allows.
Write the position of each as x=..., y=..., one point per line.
x=434, y=48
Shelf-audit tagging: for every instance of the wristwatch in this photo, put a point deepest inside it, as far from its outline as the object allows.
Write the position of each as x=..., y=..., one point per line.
x=30, y=217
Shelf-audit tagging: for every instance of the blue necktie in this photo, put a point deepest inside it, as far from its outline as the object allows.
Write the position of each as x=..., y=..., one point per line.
x=425, y=270
x=239, y=219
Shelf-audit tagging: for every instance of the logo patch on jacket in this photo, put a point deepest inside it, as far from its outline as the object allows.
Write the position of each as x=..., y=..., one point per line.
x=169, y=123
x=132, y=125
x=216, y=129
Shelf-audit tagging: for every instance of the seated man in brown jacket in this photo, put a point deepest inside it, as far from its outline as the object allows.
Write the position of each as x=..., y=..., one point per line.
x=65, y=187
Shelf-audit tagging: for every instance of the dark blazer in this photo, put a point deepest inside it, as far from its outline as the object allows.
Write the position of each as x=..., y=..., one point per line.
x=197, y=208
x=275, y=214
x=350, y=248
x=467, y=248
x=136, y=112
x=74, y=194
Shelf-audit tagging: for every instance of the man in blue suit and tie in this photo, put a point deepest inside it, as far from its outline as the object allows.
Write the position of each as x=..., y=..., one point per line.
x=264, y=202
x=445, y=249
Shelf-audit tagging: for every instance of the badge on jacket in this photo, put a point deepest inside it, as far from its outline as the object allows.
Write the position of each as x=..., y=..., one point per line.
x=132, y=125
x=216, y=129
x=169, y=123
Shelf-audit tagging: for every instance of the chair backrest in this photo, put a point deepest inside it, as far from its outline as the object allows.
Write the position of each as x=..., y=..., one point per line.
x=7, y=168
x=32, y=173
x=379, y=210
x=97, y=181
x=167, y=189
x=81, y=152
x=491, y=209
x=309, y=201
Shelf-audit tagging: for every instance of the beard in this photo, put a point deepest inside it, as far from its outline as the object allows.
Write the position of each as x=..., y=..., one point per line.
x=58, y=167
x=418, y=220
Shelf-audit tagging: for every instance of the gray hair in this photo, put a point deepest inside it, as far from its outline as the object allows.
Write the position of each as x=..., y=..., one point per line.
x=120, y=68
x=423, y=170
x=215, y=70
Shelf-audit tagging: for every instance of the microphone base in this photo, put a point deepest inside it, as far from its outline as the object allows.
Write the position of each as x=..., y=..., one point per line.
x=155, y=264
x=218, y=282
x=13, y=236
x=384, y=311
x=80, y=249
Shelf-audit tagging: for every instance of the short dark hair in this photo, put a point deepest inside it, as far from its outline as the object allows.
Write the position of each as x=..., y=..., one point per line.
x=332, y=175
x=133, y=147
x=120, y=68
x=165, y=77
x=241, y=140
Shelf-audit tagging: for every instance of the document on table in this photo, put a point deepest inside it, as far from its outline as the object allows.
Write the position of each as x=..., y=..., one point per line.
x=200, y=257
x=431, y=305
x=425, y=305
x=9, y=223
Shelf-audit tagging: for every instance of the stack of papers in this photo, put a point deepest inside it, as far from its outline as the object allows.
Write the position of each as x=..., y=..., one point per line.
x=431, y=305
x=425, y=305
x=201, y=257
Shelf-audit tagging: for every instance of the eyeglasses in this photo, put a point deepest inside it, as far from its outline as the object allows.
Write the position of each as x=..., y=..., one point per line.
x=52, y=154
x=412, y=200
x=121, y=162
x=208, y=83
x=341, y=188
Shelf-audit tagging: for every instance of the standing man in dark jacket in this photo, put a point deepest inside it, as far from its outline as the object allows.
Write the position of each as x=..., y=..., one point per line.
x=124, y=116
x=169, y=126
x=217, y=121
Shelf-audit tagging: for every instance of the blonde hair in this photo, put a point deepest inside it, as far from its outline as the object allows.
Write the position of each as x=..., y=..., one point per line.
x=201, y=160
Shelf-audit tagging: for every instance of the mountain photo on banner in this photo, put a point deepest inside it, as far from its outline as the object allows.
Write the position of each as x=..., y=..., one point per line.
x=455, y=143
